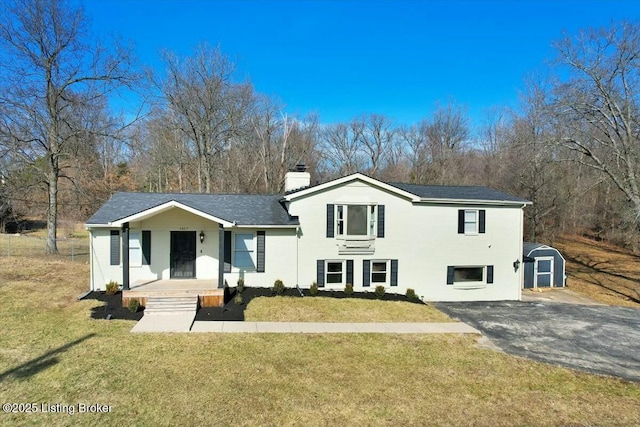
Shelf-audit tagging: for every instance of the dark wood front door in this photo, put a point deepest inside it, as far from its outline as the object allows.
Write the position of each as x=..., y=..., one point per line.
x=183, y=254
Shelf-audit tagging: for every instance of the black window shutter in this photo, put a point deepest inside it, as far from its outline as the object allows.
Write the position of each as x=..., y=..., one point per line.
x=483, y=215
x=261, y=247
x=450, y=270
x=115, y=247
x=366, y=272
x=330, y=221
x=146, y=247
x=227, y=252
x=460, y=221
x=489, y=273
x=380, y=220
x=320, y=271
x=394, y=272
x=350, y=271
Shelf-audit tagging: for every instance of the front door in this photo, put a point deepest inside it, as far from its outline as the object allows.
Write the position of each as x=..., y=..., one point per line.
x=183, y=255
x=543, y=272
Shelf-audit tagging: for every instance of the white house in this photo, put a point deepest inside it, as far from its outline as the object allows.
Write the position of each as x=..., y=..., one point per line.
x=447, y=243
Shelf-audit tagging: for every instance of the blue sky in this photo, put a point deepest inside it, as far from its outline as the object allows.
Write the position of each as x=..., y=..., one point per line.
x=341, y=59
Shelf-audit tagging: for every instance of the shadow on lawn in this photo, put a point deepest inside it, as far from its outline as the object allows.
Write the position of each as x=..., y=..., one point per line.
x=590, y=267
x=39, y=364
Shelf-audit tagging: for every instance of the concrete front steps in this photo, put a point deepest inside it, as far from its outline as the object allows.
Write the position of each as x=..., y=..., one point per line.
x=171, y=305
x=168, y=314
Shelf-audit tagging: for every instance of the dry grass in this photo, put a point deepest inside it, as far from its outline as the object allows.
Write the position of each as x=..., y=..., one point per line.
x=52, y=351
x=324, y=309
x=602, y=271
x=75, y=247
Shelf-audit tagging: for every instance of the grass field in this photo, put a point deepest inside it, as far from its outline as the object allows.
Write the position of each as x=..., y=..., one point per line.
x=325, y=309
x=602, y=271
x=52, y=352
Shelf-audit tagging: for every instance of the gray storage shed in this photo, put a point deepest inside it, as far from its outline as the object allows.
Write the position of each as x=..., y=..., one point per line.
x=543, y=266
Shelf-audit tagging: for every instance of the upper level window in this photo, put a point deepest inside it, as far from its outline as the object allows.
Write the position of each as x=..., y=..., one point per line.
x=470, y=221
x=356, y=220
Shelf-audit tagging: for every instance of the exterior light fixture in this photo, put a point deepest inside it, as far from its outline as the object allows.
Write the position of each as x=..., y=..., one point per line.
x=202, y=237
x=516, y=264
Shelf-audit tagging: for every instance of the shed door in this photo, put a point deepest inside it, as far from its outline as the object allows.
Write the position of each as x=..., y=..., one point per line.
x=543, y=272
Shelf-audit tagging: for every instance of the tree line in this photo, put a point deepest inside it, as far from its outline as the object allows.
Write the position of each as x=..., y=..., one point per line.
x=571, y=146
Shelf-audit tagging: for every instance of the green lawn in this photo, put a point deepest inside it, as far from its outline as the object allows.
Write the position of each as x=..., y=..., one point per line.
x=52, y=352
x=325, y=309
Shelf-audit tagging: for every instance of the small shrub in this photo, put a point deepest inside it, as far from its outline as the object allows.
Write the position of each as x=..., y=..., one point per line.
x=313, y=290
x=240, y=285
x=133, y=305
x=348, y=289
x=411, y=294
x=112, y=288
x=278, y=287
x=238, y=299
x=379, y=291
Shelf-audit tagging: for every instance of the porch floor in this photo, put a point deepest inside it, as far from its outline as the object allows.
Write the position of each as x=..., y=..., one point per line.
x=207, y=291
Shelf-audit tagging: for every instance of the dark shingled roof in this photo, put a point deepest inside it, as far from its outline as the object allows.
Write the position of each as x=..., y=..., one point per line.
x=457, y=192
x=244, y=209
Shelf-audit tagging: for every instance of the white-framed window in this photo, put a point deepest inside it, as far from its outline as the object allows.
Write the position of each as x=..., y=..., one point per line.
x=244, y=251
x=468, y=274
x=357, y=221
x=335, y=273
x=135, y=249
x=471, y=221
x=379, y=272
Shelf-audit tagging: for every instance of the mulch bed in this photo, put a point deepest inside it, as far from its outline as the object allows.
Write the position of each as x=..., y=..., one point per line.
x=230, y=311
x=235, y=312
x=113, y=306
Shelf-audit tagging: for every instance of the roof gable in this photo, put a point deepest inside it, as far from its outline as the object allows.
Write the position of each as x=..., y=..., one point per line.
x=421, y=193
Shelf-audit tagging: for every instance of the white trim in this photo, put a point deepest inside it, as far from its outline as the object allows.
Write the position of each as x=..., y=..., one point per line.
x=468, y=202
x=387, y=272
x=550, y=273
x=353, y=177
x=265, y=226
x=343, y=272
x=165, y=207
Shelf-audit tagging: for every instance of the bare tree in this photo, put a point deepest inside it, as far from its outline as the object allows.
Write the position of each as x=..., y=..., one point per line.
x=341, y=147
x=376, y=140
x=447, y=132
x=50, y=80
x=595, y=107
x=208, y=105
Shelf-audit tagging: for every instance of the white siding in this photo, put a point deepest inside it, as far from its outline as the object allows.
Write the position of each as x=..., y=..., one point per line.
x=280, y=256
x=160, y=226
x=423, y=238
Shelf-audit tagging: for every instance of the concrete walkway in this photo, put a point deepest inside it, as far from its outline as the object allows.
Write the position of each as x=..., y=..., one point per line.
x=185, y=323
x=161, y=322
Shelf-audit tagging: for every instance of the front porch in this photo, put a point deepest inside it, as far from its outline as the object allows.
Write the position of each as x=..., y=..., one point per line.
x=207, y=291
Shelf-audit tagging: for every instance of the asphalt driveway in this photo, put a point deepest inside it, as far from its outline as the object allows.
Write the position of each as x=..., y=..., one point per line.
x=600, y=339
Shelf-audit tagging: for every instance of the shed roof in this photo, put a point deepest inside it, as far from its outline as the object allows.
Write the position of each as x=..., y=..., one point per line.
x=243, y=209
x=528, y=247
